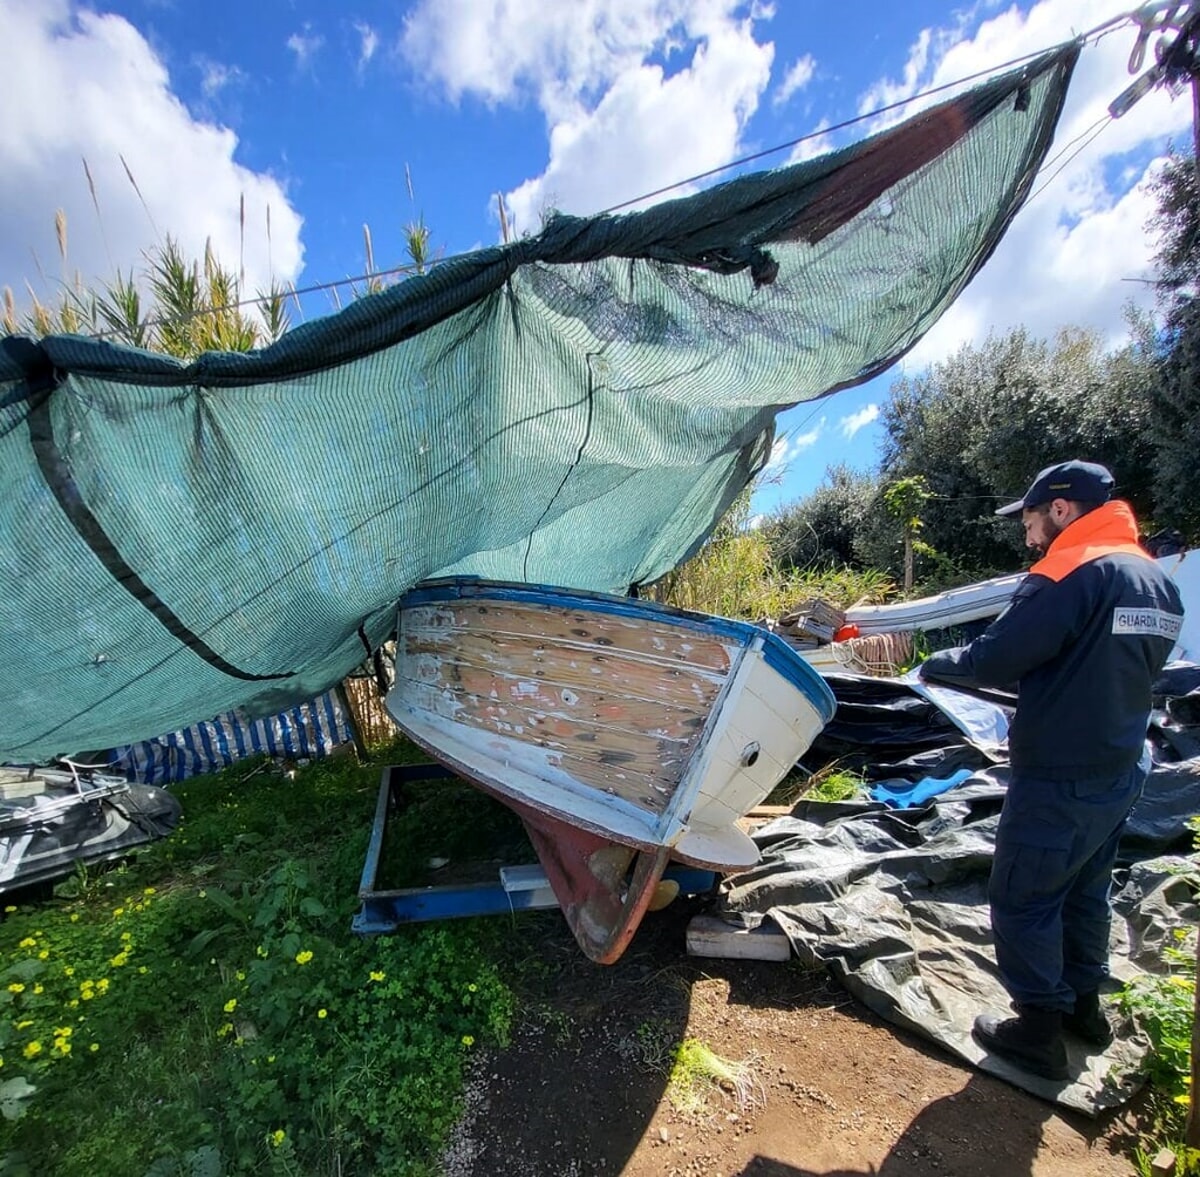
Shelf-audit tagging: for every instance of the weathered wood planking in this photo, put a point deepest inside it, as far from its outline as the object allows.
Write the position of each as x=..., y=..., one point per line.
x=569, y=729
x=597, y=708
x=712, y=937
x=636, y=766
x=607, y=631
x=429, y=657
x=617, y=704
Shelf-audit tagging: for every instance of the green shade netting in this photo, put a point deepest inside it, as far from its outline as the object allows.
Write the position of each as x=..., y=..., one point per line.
x=578, y=409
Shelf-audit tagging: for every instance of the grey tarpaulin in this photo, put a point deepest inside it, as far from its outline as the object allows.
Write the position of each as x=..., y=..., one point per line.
x=894, y=904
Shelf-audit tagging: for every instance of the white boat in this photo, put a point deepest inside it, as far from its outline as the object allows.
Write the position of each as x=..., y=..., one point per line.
x=625, y=733
x=983, y=600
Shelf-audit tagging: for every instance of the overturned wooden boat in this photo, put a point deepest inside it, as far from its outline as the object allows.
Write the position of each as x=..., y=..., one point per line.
x=624, y=733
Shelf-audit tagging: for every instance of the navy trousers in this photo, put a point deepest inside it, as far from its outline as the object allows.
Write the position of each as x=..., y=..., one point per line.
x=1049, y=888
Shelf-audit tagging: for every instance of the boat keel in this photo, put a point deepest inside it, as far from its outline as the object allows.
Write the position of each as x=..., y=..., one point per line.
x=603, y=888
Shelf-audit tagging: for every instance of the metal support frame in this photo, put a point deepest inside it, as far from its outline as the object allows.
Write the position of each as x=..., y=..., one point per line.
x=517, y=888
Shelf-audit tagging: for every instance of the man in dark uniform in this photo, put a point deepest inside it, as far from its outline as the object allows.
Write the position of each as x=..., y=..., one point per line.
x=1083, y=640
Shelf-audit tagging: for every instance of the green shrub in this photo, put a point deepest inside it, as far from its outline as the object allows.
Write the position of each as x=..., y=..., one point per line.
x=205, y=1007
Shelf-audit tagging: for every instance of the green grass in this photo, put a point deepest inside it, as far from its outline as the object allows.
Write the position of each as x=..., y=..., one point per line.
x=1163, y=1006
x=698, y=1072
x=205, y=1007
x=835, y=784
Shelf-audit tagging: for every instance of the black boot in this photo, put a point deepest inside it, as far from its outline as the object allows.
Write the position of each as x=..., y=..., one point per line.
x=1032, y=1040
x=1087, y=1022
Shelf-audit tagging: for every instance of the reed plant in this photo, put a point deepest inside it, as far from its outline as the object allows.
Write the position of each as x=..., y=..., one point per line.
x=734, y=574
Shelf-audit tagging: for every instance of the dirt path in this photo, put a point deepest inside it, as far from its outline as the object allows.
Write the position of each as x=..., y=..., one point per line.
x=582, y=1089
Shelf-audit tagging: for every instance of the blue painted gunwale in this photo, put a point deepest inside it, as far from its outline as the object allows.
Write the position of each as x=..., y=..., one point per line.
x=779, y=656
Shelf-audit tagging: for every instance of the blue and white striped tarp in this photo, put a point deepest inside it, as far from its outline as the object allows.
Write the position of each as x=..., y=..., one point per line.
x=307, y=730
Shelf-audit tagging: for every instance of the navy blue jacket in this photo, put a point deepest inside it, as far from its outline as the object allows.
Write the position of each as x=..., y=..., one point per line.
x=1082, y=640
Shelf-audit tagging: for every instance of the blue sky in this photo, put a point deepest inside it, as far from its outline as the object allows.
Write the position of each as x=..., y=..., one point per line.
x=318, y=113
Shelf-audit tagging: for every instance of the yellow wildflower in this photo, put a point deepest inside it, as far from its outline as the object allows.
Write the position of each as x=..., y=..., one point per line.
x=63, y=1032
x=28, y=942
x=95, y=1046
x=240, y=975
x=126, y=935
x=62, y=1046
x=102, y=985
x=38, y=989
x=44, y=954
x=87, y=994
x=148, y=891
x=69, y=971
x=377, y=976
x=230, y=1005
x=16, y=987
x=468, y=1040
x=227, y=1028
x=301, y=958
x=277, y=1137
x=32, y=1050
x=261, y=951
x=322, y=1013
x=120, y=959
x=9, y=908
x=118, y=911
x=74, y=917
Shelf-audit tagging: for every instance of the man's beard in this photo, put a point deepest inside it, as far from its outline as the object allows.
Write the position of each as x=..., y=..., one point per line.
x=1054, y=530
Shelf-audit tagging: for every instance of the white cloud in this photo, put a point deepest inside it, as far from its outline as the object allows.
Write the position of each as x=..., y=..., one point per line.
x=1076, y=252
x=809, y=438
x=305, y=46
x=620, y=123
x=851, y=424
x=815, y=143
x=216, y=76
x=368, y=43
x=779, y=451
x=84, y=85
x=791, y=445
x=497, y=50
x=795, y=79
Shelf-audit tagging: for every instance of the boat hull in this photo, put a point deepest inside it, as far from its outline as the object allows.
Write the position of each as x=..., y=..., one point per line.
x=605, y=722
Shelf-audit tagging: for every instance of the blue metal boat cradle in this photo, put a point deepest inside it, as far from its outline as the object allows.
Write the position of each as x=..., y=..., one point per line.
x=517, y=888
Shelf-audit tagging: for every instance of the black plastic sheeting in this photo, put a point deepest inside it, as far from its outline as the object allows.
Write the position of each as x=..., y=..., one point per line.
x=49, y=827
x=894, y=902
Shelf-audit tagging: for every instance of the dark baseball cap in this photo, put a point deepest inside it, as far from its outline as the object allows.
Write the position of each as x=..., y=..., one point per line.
x=1077, y=482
